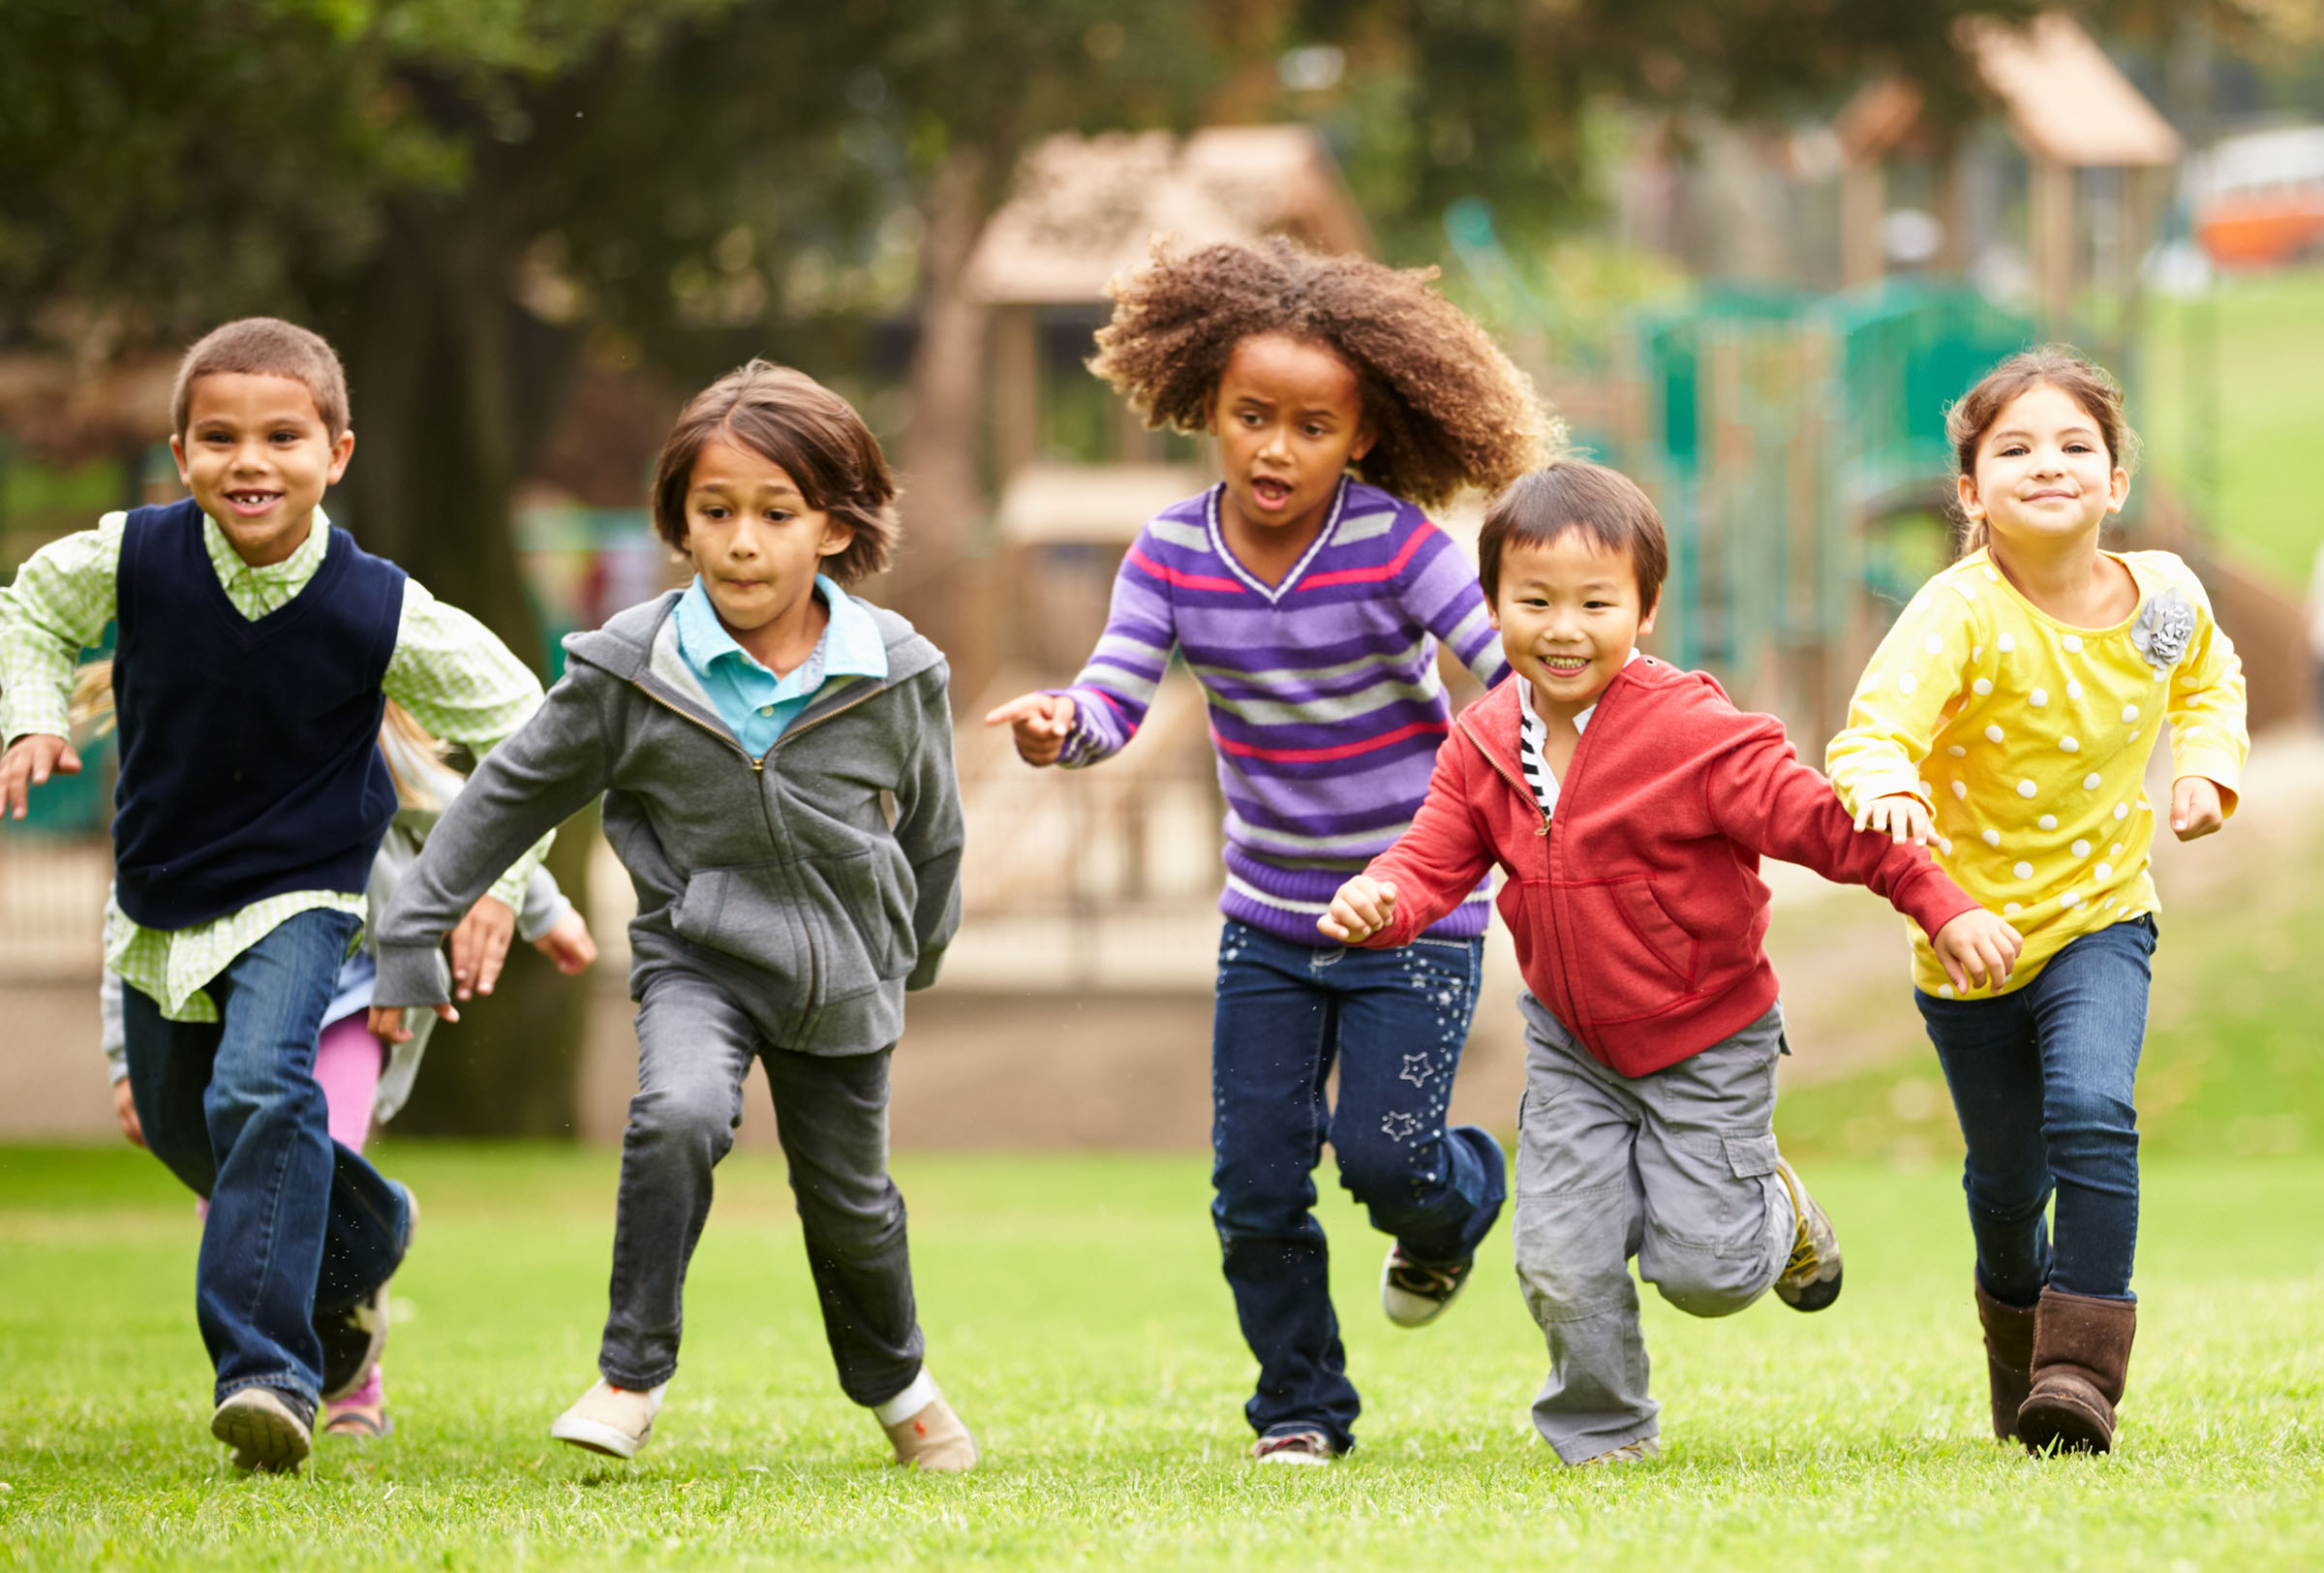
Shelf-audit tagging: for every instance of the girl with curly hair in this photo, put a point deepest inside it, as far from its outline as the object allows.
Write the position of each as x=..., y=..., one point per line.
x=1308, y=592
x=2008, y=717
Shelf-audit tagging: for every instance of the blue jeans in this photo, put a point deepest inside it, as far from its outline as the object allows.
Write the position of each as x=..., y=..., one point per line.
x=2042, y=1080
x=1394, y=1022
x=298, y=1224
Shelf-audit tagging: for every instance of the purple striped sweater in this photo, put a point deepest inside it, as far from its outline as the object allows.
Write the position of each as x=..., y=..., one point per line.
x=1326, y=708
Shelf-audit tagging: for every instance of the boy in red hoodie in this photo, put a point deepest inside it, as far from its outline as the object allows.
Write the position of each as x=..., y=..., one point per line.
x=1628, y=804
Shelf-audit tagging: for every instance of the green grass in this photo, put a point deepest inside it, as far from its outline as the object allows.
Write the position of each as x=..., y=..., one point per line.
x=2271, y=404
x=1075, y=1313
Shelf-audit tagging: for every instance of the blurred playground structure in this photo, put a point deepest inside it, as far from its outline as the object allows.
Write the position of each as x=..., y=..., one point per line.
x=1785, y=412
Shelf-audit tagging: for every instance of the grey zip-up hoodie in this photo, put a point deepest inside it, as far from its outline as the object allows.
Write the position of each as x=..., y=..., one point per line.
x=816, y=884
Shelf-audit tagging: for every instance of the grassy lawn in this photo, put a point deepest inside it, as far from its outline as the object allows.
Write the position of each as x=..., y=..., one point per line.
x=1075, y=1313
x=2271, y=404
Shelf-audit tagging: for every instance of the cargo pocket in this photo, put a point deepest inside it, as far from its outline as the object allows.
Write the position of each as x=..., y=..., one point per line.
x=1750, y=1156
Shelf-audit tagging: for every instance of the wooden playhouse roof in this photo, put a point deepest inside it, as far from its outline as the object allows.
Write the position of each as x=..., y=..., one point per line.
x=1088, y=208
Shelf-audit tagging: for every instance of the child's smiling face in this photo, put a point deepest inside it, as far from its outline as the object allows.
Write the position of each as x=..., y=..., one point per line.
x=257, y=456
x=1569, y=614
x=2043, y=472
x=752, y=538
x=1289, y=416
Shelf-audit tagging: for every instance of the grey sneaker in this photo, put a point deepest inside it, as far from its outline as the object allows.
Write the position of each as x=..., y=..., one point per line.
x=1811, y=1280
x=1302, y=1446
x=1645, y=1450
x=1415, y=1293
x=271, y=1431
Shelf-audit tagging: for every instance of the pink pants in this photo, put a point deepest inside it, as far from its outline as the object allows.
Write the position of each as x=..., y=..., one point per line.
x=348, y=1061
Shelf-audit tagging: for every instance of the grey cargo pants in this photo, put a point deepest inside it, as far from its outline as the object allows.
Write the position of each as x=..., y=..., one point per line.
x=695, y=1045
x=1676, y=1168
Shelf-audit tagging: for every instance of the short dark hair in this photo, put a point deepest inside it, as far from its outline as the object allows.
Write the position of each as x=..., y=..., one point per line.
x=788, y=418
x=1574, y=494
x=265, y=347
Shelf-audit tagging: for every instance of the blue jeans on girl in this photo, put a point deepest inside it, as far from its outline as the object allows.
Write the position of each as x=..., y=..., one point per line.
x=2041, y=1079
x=298, y=1225
x=1393, y=1022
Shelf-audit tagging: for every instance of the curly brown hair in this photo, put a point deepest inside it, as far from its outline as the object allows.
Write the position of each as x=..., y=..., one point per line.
x=1446, y=408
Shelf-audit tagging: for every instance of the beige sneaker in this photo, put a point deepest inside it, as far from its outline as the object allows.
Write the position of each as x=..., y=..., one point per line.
x=1811, y=1278
x=611, y=1420
x=1645, y=1450
x=934, y=1440
x=266, y=1429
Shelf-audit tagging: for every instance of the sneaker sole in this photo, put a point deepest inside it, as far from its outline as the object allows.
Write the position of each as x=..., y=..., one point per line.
x=2060, y=1424
x=265, y=1441
x=594, y=1438
x=1814, y=1296
x=1432, y=1308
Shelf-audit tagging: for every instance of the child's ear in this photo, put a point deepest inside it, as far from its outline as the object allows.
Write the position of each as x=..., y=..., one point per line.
x=177, y=452
x=1492, y=613
x=342, y=449
x=1965, y=487
x=837, y=539
x=1646, y=622
x=2117, y=489
x=1365, y=437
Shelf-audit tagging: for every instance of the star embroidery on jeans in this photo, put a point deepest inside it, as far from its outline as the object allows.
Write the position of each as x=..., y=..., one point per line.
x=1417, y=1069
x=1398, y=1125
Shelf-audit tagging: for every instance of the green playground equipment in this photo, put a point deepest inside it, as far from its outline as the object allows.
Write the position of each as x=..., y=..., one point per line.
x=1793, y=440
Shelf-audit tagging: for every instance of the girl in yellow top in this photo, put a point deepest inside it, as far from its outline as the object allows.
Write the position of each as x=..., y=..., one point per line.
x=2008, y=717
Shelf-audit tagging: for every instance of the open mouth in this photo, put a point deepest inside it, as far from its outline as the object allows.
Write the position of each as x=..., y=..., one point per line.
x=1564, y=665
x=244, y=500
x=1269, y=492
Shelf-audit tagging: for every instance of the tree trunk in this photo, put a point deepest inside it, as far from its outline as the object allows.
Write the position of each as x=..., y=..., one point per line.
x=944, y=579
x=453, y=386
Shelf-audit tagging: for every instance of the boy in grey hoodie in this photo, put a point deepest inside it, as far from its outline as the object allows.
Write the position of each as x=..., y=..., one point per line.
x=776, y=762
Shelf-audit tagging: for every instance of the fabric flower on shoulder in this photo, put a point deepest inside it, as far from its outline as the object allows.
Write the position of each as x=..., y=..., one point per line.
x=2166, y=626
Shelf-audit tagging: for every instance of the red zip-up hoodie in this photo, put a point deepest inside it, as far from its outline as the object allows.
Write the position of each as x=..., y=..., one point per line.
x=1637, y=912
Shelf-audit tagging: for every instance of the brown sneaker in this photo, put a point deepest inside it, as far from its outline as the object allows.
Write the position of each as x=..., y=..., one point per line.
x=1645, y=1450
x=611, y=1420
x=932, y=1439
x=272, y=1432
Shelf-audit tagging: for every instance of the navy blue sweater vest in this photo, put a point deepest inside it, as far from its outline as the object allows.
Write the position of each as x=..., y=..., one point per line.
x=250, y=756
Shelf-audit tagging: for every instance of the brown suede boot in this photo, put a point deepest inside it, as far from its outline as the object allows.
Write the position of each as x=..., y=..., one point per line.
x=2081, y=1359
x=2008, y=1358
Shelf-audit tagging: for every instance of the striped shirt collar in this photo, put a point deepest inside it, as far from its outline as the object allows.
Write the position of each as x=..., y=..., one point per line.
x=1532, y=733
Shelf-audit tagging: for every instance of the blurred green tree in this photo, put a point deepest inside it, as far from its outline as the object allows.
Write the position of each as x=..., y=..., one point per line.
x=458, y=193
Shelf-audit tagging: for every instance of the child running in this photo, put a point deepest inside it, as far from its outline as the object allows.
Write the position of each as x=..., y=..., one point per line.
x=1629, y=805
x=775, y=761
x=256, y=648
x=1309, y=604
x=362, y=1080
x=2009, y=715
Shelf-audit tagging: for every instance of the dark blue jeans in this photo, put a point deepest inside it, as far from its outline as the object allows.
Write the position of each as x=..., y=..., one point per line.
x=297, y=1224
x=1393, y=1022
x=2042, y=1081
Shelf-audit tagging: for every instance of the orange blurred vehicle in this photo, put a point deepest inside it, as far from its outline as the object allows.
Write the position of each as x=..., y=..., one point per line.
x=2258, y=197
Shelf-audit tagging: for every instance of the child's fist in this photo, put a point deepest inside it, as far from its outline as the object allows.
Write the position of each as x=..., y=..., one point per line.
x=29, y=762
x=1040, y=724
x=1360, y=910
x=124, y=1111
x=2195, y=807
x=386, y=1022
x=1977, y=945
x=1902, y=817
x=568, y=943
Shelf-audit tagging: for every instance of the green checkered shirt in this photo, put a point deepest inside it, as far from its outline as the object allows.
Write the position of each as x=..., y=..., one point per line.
x=457, y=680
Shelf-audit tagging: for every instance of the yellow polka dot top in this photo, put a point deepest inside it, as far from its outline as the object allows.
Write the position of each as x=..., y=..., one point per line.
x=2029, y=741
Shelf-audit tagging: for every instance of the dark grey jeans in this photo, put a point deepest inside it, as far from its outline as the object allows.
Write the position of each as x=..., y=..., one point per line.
x=694, y=1046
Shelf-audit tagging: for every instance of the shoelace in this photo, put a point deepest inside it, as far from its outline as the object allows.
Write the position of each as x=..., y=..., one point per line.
x=1803, y=1254
x=1431, y=1282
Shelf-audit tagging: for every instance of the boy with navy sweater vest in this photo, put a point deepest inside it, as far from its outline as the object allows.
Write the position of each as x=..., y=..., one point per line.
x=257, y=646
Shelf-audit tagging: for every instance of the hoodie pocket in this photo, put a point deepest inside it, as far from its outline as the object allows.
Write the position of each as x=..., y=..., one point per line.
x=823, y=924
x=1637, y=960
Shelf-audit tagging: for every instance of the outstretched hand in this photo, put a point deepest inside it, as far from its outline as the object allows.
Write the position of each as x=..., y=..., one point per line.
x=1040, y=723
x=29, y=762
x=1902, y=817
x=480, y=947
x=1362, y=908
x=1977, y=947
